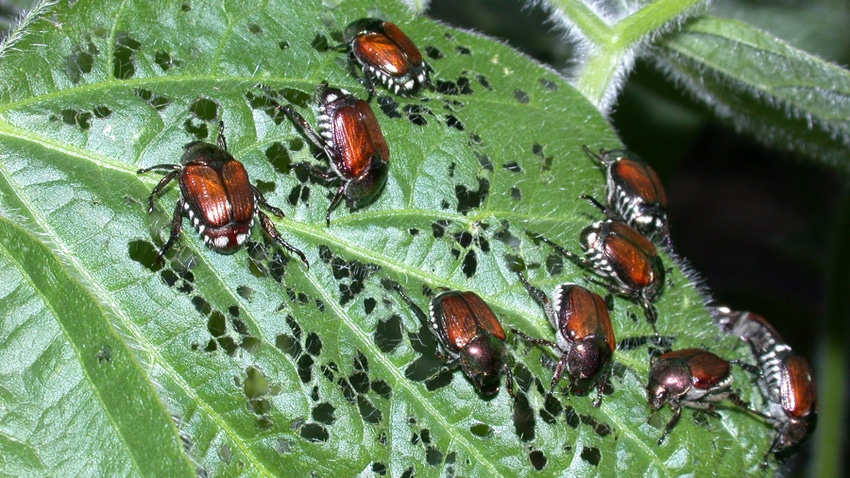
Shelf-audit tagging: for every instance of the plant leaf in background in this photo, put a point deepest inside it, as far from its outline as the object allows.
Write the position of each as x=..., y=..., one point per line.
x=250, y=364
x=784, y=97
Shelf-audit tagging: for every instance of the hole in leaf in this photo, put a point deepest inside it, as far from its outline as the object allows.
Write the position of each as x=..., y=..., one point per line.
x=382, y=388
x=288, y=345
x=572, y=417
x=205, y=109
x=77, y=64
x=548, y=84
x=470, y=264
x=305, y=368
x=388, y=334
x=199, y=131
x=389, y=106
x=216, y=325
x=245, y=292
x=158, y=102
x=324, y=413
x=104, y=355
x=512, y=166
x=467, y=199
x=591, y=455
x=369, y=305
x=454, y=88
x=433, y=456
x=166, y=61
x=255, y=29
x=144, y=253
x=278, y=156
x=319, y=43
x=379, y=469
x=433, y=53
x=283, y=45
x=524, y=419
x=359, y=382
x=521, y=96
x=315, y=433
x=463, y=50
x=313, y=344
x=415, y=114
x=481, y=430
x=368, y=411
x=201, y=305
x=483, y=160
x=538, y=459
x=453, y=122
x=551, y=409
x=124, y=56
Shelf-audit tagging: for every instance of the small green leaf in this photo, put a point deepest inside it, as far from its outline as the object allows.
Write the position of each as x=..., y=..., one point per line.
x=252, y=365
x=785, y=97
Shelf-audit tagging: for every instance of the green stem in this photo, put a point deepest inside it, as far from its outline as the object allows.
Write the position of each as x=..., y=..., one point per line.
x=612, y=45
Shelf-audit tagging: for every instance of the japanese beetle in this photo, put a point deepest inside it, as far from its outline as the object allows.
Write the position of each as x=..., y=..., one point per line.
x=583, y=334
x=634, y=192
x=385, y=54
x=217, y=197
x=629, y=261
x=351, y=138
x=692, y=378
x=471, y=336
x=785, y=380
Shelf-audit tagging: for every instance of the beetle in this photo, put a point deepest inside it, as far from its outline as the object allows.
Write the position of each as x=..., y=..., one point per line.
x=619, y=253
x=785, y=379
x=583, y=334
x=471, y=337
x=216, y=195
x=634, y=192
x=352, y=140
x=386, y=55
x=694, y=378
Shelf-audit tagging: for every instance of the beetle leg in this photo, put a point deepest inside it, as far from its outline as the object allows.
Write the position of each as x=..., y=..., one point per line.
x=578, y=260
x=299, y=120
x=334, y=203
x=559, y=371
x=173, y=170
x=220, y=141
x=677, y=411
x=267, y=226
x=261, y=201
x=592, y=200
x=748, y=367
x=600, y=385
x=416, y=310
x=536, y=341
x=594, y=156
x=370, y=87
x=509, y=382
x=539, y=296
x=176, y=227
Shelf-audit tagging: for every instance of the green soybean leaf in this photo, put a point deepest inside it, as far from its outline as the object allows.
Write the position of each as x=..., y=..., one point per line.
x=251, y=364
x=785, y=97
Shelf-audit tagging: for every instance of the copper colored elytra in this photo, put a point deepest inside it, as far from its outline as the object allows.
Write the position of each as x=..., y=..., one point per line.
x=583, y=334
x=471, y=335
x=216, y=195
x=692, y=378
x=634, y=191
x=351, y=138
x=616, y=251
x=387, y=55
x=784, y=378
